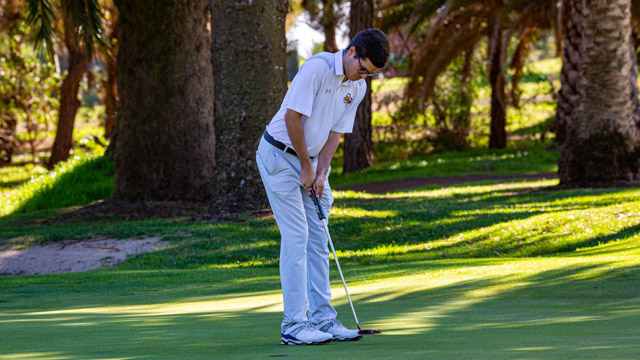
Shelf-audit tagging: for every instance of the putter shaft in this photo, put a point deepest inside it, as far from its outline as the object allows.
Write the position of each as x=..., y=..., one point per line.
x=326, y=231
x=324, y=221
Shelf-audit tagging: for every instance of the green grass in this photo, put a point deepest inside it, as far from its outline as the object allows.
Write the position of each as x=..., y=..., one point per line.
x=547, y=67
x=574, y=306
x=12, y=176
x=500, y=270
x=511, y=219
x=76, y=182
x=389, y=84
x=453, y=163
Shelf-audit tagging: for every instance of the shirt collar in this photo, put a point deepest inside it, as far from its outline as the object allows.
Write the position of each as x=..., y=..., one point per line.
x=338, y=63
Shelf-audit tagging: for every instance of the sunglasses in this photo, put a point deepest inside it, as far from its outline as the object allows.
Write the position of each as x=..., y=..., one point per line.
x=364, y=71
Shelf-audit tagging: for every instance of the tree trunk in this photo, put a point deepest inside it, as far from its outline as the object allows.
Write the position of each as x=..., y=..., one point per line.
x=9, y=16
x=69, y=103
x=329, y=22
x=603, y=140
x=249, y=48
x=110, y=97
x=109, y=84
x=462, y=122
x=567, y=97
x=498, y=135
x=358, y=146
x=7, y=138
x=166, y=141
x=517, y=64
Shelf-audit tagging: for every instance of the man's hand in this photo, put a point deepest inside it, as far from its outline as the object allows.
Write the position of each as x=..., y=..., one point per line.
x=307, y=178
x=324, y=161
x=318, y=186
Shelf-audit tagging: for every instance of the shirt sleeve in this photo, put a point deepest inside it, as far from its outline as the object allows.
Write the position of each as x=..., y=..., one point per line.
x=305, y=86
x=345, y=124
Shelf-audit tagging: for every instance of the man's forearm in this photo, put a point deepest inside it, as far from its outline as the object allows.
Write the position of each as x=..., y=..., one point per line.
x=326, y=154
x=295, y=130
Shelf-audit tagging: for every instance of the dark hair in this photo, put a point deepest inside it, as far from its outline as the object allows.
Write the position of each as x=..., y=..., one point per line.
x=373, y=45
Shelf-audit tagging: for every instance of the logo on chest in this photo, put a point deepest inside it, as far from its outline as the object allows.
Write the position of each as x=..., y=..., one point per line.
x=348, y=99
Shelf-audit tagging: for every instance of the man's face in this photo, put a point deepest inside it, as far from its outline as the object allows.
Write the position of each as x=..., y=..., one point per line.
x=358, y=68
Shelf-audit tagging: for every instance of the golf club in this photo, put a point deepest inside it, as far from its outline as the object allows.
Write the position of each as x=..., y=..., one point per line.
x=323, y=218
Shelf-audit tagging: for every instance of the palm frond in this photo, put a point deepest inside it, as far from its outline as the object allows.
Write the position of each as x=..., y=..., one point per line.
x=87, y=20
x=40, y=16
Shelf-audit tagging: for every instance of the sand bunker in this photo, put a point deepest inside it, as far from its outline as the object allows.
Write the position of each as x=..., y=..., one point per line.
x=72, y=256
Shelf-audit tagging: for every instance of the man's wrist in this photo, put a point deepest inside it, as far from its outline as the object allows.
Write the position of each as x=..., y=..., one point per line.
x=321, y=173
x=306, y=164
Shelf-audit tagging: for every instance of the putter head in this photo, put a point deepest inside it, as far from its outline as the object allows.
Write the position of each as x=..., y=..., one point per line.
x=369, y=331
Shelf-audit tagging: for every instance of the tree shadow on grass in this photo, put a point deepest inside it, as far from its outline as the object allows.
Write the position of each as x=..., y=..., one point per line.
x=577, y=310
x=424, y=221
x=419, y=226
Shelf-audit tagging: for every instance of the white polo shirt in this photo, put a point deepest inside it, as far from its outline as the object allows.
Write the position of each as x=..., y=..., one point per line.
x=325, y=102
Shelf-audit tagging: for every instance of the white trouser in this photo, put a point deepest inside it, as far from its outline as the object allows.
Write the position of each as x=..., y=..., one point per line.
x=304, y=252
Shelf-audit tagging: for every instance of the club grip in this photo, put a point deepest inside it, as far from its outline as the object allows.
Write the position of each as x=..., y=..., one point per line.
x=321, y=215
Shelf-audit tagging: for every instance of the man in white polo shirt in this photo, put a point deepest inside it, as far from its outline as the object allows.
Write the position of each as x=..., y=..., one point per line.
x=293, y=157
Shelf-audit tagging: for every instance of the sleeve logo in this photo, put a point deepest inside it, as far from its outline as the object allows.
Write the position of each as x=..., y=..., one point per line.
x=348, y=99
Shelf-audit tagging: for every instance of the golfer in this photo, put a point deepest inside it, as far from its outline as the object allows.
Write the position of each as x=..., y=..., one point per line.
x=293, y=157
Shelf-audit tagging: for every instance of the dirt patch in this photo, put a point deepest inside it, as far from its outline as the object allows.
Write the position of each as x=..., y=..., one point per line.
x=72, y=256
x=384, y=187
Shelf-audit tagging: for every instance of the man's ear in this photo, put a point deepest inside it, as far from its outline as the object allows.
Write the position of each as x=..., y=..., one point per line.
x=351, y=51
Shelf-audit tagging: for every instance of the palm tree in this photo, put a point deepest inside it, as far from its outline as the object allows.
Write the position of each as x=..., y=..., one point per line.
x=80, y=31
x=567, y=97
x=602, y=134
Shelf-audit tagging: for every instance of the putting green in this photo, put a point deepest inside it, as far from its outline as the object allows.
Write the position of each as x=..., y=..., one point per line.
x=583, y=305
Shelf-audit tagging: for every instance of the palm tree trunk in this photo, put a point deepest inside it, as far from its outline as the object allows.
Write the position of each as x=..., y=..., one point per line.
x=498, y=135
x=249, y=68
x=69, y=103
x=603, y=139
x=567, y=97
x=358, y=146
x=165, y=147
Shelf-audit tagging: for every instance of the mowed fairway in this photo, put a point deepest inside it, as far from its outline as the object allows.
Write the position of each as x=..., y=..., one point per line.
x=434, y=297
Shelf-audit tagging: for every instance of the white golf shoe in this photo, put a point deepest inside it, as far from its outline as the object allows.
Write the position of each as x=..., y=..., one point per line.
x=339, y=332
x=303, y=333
